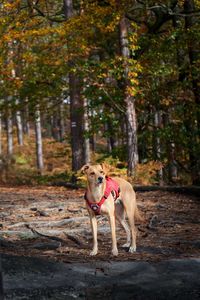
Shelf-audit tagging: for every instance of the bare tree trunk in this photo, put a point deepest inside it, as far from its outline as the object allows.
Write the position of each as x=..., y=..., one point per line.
x=76, y=117
x=9, y=122
x=26, y=124
x=172, y=164
x=19, y=126
x=62, y=122
x=1, y=281
x=194, y=56
x=173, y=171
x=129, y=102
x=93, y=142
x=38, y=134
x=68, y=8
x=76, y=107
x=86, y=130
x=55, y=127
x=18, y=113
x=193, y=50
x=157, y=122
x=1, y=134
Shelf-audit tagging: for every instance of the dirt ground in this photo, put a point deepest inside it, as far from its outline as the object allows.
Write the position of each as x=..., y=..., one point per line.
x=52, y=222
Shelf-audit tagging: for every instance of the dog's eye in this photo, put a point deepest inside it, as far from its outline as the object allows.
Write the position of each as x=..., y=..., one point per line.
x=92, y=173
x=102, y=172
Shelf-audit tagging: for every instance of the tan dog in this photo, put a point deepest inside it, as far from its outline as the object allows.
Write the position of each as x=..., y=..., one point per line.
x=125, y=202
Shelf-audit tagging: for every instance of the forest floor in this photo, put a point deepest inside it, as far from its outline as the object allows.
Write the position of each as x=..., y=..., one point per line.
x=171, y=228
x=53, y=223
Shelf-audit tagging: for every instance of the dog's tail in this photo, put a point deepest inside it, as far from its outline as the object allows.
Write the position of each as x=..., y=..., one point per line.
x=138, y=215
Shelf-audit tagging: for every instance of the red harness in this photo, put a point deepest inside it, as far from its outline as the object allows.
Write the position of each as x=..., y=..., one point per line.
x=111, y=187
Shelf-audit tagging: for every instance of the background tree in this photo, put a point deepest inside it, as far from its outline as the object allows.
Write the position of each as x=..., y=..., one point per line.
x=124, y=72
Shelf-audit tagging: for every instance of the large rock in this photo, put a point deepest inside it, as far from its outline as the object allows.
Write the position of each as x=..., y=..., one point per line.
x=35, y=278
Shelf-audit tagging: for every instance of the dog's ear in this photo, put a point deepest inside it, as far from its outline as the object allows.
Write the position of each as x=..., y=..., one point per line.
x=105, y=168
x=84, y=169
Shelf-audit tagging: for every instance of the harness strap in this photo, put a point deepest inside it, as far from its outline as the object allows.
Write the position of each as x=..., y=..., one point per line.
x=111, y=187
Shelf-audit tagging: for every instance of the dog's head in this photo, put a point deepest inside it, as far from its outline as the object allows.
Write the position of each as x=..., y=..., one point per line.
x=96, y=174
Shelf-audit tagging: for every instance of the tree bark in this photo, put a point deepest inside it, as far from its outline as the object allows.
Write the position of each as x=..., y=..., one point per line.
x=194, y=56
x=76, y=118
x=193, y=50
x=1, y=281
x=157, y=147
x=38, y=134
x=86, y=130
x=129, y=101
x=62, y=122
x=55, y=128
x=0, y=133
x=9, y=122
x=19, y=126
x=26, y=125
x=18, y=113
x=76, y=107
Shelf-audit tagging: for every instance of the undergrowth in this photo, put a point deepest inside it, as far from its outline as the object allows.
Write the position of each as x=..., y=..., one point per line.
x=21, y=169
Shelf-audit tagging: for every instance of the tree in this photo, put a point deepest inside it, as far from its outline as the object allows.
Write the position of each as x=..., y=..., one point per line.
x=129, y=100
x=76, y=106
x=38, y=134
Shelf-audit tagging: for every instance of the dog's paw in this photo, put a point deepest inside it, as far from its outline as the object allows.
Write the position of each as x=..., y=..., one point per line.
x=93, y=252
x=114, y=252
x=126, y=245
x=132, y=249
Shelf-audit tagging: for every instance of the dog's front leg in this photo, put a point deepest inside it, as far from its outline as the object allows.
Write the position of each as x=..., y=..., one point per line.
x=93, y=221
x=113, y=232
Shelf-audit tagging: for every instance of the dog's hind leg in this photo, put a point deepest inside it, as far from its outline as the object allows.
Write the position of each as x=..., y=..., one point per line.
x=120, y=215
x=130, y=216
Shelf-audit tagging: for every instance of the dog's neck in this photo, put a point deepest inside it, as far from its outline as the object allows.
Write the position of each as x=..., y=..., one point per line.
x=96, y=192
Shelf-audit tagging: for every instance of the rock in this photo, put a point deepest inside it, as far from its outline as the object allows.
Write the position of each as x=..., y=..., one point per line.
x=43, y=213
x=4, y=214
x=35, y=278
x=46, y=246
x=33, y=208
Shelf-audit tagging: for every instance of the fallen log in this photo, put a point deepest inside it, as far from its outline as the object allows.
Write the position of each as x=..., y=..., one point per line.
x=190, y=190
x=50, y=223
x=73, y=239
x=55, y=238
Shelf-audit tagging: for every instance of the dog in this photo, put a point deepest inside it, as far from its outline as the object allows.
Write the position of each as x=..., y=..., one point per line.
x=114, y=197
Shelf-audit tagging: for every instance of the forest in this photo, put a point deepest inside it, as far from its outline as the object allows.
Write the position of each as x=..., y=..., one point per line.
x=106, y=80
x=99, y=81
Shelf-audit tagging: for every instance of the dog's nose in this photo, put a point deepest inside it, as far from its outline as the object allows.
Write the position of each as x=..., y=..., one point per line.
x=100, y=179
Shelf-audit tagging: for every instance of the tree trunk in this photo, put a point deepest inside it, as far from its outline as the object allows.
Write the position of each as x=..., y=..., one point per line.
x=26, y=125
x=55, y=128
x=19, y=126
x=157, y=146
x=76, y=118
x=1, y=134
x=93, y=142
x=62, y=122
x=1, y=281
x=193, y=52
x=170, y=146
x=129, y=103
x=76, y=107
x=38, y=134
x=9, y=122
x=173, y=171
x=86, y=130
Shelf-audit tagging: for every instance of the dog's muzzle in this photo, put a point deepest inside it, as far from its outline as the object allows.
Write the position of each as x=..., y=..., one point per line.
x=100, y=179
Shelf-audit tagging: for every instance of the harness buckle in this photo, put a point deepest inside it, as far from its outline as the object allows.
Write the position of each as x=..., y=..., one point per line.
x=94, y=207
